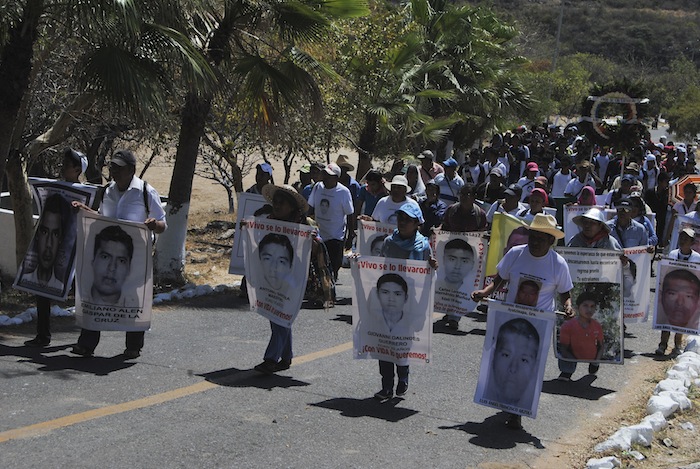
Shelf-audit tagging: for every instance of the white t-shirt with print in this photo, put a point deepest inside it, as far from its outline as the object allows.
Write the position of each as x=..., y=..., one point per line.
x=331, y=207
x=385, y=210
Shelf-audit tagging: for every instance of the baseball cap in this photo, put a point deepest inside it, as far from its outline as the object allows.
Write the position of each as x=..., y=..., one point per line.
x=628, y=178
x=624, y=204
x=541, y=193
x=412, y=210
x=123, y=158
x=265, y=167
x=450, y=163
x=497, y=172
x=532, y=166
x=689, y=231
x=78, y=157
x=514, y=190
x=426, y=154
x=333, y=169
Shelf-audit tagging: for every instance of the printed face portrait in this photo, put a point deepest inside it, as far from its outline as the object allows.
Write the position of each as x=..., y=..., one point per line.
x=587, y=309
x=514, y=362
x=528, y=293
x=325, y=205
x=392, y=292
x=48, y=238
x=111, y=262
x=376, y=245
x=276, y=256
x=458, y=260
x=679, y=296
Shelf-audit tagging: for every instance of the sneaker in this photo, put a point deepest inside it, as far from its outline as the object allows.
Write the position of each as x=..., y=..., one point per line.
x=38, y=342
x=78, y=350
x=452, y=324
x=593, y=368
x=131, y=354
x=384, y=395
x=564, y=376
x=401, y=389
x=267, y=367
x=514, y=422
x=675, y=352
x=661, y=351
x=282, y=365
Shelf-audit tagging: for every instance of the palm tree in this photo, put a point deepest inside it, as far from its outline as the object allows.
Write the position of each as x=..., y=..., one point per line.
x=259, y=47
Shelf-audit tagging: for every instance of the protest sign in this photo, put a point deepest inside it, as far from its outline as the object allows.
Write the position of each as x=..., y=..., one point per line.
x=248, y=204
x=677, y=306
x=276, y=255
x=513, y=358
x=370, y=235
x=461, y=257
x=571, y=229
x=114, y=274
x=391, y=308
x=636, y=284
x=48, y=266
x=678, y=226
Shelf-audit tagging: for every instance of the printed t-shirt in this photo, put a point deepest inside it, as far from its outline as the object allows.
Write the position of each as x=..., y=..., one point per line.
x=331, y=206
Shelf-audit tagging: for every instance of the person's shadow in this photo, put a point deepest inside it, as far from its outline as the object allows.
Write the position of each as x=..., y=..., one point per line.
x=236, y=378
x=368, y=407
x=492, y=433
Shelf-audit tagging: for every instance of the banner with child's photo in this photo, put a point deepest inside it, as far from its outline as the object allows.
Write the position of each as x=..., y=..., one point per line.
x=636, y=284
x=514, y=358
x=277, y=256
x=391, y=309
x=461, y=259
x=370, y=236
x=48, y=266
x=596, y=333
x=677, y=306
x=571, y=229
x=114, y=274
x=248, y=204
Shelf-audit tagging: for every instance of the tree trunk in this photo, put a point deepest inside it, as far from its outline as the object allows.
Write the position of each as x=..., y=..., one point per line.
x=15, y=73
x=170, y=254
x=366, y=144
x=21, y=198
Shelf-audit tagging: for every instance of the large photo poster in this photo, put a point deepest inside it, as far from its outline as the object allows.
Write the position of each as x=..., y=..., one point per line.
x=370, y=236
x=462, y=259
x=636, y=284
x=677, y=306
x=114, y=274
x=571, y=229
x=596, y=333
x=391, y=309
x=48, y=266
x=513, y=358
x=248, y=204
x=277, y=256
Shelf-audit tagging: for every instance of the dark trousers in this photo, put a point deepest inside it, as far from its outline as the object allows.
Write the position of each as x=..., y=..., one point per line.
x=335, y=253
x=386, y=369
x=43, y=317
x=89, y=340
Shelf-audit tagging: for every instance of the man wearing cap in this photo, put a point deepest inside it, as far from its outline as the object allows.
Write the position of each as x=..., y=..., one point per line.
x=510, y=204
x=537, y=201
x=527, y=182
x=585, y=176
x=331, y=204
x=385, y=210
x=493, y=188
x=263, y=176
x=614, y=196
x=304, y=179
x=428, y=168
x=316, y=174
x=127, y=197
x=625, y=230
x=449, y=182
x=632, y=169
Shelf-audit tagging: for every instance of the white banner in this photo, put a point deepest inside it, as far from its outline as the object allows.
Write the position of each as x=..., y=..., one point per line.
x=48, y=267
x=677, y=307
x=248, y=204
x=681, y=223
x=114, y=278
x=571, y=229
x=596, y=333
x=370, y=235
x=391, y=307
x=462, y=262
x=636, y=284
x=277, y=256
x=513, y=358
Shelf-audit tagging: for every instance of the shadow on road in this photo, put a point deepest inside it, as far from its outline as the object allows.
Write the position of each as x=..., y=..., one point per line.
x=235, y=378
x=343, y=318
x=439, y=327
x=368, y=407
x=481, y=332
x=581, y=388
x=492, y=433
x=63, y=366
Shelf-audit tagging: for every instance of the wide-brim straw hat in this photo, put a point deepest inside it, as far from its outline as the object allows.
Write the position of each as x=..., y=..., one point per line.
x=343, y=162
x=268, y=191
x=546, y=224
x=594, y=214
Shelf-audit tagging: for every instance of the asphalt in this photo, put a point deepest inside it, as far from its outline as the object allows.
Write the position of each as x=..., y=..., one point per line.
x=192, y=399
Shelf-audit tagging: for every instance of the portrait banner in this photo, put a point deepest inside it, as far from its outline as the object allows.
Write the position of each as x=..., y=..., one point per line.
x=462, y=261
x=681, y=223
x=596, y=333
x=571, y=229
x=636, y=284
x=248, y=204
x=370, y=235
x=391, y=309
x=114, y=274
x=277, y=256
x=513, y=358
x=48, y=266
x=677, y=307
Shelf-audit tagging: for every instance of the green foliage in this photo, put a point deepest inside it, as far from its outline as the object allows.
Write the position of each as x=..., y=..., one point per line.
x=684, y=116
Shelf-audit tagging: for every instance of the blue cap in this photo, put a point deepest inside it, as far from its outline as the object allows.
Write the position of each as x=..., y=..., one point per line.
x=450, y=163
x=266, y=168
x=412, y=210
x=628, y=177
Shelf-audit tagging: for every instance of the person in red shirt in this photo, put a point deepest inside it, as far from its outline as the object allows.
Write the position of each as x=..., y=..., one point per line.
x=581, y=338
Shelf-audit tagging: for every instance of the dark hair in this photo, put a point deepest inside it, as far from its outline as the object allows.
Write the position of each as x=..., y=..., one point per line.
x=517, y=326
x=74, y=158
x=681, y=274
x=467, y=188
x=373, y=175
x=377, y=239
x=274, y=238
x=117, y=234
x=459, y=243
x=326, y=201
x=531, y=283
x=586, y=296
x=55, y=203
x=393, y=278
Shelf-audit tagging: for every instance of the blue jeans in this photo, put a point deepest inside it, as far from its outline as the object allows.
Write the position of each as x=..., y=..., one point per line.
x=386, y=369
x=567, y=367
x=280, y=346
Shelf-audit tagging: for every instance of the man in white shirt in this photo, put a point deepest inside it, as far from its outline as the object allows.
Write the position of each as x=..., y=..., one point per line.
x=562, y=177
x=584, y=177
x=385, y=210
x=527, y=182
x=449, y=183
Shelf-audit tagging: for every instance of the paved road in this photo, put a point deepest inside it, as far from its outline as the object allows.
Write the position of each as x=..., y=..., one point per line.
x=192, y=400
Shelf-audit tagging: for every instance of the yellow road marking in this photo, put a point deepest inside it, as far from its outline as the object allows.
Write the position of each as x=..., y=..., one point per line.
x=49, y=425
